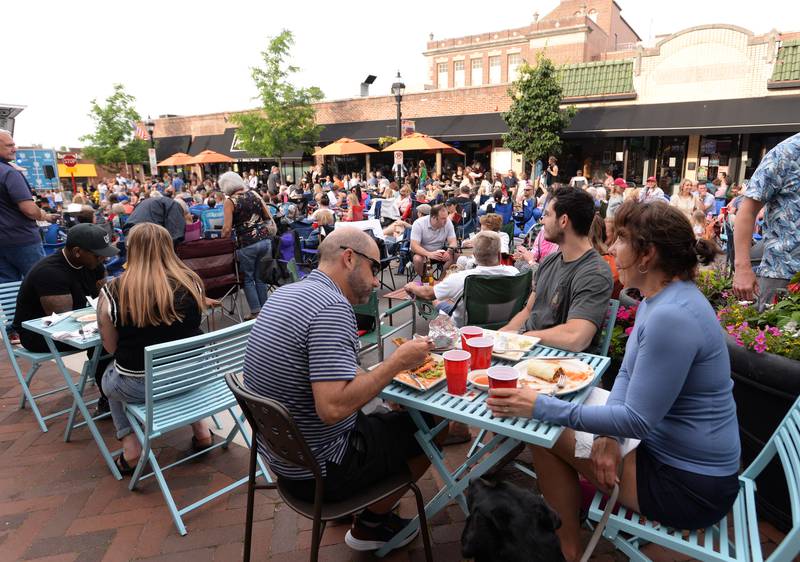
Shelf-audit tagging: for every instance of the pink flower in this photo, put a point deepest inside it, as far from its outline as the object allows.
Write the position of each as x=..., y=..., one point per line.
x=730, y=328
x=760, y=347
x=774, y=331
x=628, y=330
x=739, y=341
x=761, y=338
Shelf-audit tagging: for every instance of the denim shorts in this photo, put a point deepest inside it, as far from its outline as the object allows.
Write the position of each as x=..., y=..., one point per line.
x=121, y=389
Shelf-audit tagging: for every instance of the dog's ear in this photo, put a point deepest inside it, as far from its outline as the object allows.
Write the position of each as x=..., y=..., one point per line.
x=547, y=517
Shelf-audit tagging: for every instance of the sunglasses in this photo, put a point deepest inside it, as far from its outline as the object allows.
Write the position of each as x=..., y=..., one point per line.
x=375, y=265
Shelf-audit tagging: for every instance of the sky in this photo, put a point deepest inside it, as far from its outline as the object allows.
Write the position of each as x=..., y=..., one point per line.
x=192, y=57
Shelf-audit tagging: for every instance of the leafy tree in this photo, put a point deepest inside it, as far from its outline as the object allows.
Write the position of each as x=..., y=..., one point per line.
x=285, y=121
x=112, y=142
x=536, y=120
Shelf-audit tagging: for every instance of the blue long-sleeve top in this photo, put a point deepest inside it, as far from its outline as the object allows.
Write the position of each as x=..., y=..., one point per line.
x=673, y=390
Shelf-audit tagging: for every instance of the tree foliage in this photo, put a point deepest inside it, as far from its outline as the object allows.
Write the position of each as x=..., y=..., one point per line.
x=536, y=120
x=112, y=142
x=285, y=120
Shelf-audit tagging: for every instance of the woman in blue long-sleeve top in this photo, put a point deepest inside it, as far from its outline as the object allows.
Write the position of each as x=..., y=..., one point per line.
x=673, y=392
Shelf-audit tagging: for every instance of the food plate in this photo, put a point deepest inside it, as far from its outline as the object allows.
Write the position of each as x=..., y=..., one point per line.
x=479, y=379
x=425, y=377
x=86, y=318
x=578, y=375
x=513, y=341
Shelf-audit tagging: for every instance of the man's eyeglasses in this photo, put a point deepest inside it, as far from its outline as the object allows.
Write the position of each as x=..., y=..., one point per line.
x=375, y=265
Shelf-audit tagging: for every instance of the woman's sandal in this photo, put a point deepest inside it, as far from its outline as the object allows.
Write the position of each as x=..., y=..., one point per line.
x=122, y=465
x=197, y=447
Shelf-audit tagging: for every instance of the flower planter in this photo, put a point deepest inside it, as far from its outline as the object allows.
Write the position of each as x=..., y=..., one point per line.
x=765, y=387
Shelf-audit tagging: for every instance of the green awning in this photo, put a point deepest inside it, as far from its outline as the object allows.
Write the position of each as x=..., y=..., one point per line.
x=787, y=64
x=597, y=79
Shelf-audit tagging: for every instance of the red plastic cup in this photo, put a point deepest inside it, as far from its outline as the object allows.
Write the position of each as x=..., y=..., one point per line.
x=481, y=351
x=456, y=367
x=468, y=332
x=502, y=376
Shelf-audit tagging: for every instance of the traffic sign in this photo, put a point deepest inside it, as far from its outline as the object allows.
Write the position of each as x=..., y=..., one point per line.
x=70, y=160
x=398, y=156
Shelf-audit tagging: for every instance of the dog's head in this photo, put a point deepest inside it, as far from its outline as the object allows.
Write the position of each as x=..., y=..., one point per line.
x=508, y=523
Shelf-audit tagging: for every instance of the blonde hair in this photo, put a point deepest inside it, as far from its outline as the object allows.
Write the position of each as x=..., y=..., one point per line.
x=146, y=290
x=352, y=199
x=325, y=217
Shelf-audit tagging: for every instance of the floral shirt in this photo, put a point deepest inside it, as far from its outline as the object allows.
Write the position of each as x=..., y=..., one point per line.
x=249, y=220
x=776, y=183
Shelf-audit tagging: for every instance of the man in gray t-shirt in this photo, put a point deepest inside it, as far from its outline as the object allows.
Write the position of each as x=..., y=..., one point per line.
x=432, y=238
x=568, y=306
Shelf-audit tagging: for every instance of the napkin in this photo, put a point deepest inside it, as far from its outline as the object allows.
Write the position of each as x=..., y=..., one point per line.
x=93, y=302
x=54, y=319
x=584, y=440
x=89, y=330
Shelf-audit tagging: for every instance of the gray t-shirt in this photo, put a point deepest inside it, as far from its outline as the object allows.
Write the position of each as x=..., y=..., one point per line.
x=429, y=238
x=567, y=290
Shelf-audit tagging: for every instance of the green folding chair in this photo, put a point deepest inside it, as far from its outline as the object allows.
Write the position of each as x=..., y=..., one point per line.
x=490, y=301
x=375, y=339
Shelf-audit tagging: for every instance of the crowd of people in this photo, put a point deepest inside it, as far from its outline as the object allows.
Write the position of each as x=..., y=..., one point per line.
x=583, y=243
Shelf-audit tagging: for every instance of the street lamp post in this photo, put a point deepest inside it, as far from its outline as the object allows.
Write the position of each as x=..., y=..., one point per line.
x=150, y=125
x=398, y=89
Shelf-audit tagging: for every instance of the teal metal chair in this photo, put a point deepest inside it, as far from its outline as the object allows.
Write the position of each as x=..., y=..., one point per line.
x=629, y=532
x=375, y=339
x=490, y=301
x=8, y=307
x=185, y=383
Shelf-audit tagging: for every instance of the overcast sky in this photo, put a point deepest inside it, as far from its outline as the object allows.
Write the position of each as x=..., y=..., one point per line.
x=189, y=57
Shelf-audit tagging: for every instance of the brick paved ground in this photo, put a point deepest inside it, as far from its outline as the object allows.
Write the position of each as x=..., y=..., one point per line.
x=58, y=502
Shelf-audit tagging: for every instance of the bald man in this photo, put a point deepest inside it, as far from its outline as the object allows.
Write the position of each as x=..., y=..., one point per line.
x=303, y=353
x=20, y=243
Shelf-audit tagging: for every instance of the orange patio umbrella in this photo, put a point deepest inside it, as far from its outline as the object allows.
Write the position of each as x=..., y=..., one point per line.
x=211, y=157
x=420, y=141
x=177, y=159
x=343, y=147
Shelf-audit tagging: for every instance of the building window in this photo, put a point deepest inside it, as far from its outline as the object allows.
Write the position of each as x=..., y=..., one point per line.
x=441, y=73
x=458, y=74
x=494, y=70
x=593, y=15
x=476, y=75
x=514, y=62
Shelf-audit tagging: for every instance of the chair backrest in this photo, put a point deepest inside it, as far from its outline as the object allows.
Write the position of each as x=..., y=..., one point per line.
x=506, y=211
x=785, y=443
x=212, y=219
x=274, y=426
x=608, y=327
x=370, y=308
x=377, y=211
x=183, y=365
x=490, y=301
x=214, y=261
x=508, y=228
x=8, y=306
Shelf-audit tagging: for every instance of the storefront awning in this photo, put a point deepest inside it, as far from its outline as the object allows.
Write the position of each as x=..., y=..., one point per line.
x=778, y=114
x=482, y=126
x=80, y=171
x=224, y=144
x=167, y=146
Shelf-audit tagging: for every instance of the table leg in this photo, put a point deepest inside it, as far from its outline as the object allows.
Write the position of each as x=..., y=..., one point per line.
x=88, y=367
x=453, y=490
x=81, y=405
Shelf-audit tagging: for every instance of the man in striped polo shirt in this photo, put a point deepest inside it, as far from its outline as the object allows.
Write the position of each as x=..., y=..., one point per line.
x=303, y=353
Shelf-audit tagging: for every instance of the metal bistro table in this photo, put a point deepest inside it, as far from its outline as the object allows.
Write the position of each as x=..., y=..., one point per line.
x=90, y=342
x=508, y=432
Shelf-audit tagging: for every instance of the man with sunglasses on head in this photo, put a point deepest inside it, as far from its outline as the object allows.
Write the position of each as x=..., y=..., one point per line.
x=303, y=353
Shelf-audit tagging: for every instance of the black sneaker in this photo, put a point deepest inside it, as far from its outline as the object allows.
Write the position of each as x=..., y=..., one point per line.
x=371, y=531
x=101, y=407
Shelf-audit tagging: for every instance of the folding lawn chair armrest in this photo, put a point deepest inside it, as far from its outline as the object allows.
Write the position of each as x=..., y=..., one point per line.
x=396, y=308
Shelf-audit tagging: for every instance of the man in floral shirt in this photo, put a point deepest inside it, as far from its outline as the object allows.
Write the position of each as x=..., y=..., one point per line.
x=775, y=185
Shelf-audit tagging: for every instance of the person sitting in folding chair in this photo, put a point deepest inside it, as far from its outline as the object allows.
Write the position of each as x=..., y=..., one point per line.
x=157, y=299
x=490, y=222
x=674, y=393
x=429, y=235
x=303, y=353
x=568, y=307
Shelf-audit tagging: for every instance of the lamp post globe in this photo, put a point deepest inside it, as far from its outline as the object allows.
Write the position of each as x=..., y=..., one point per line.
x=398, y=89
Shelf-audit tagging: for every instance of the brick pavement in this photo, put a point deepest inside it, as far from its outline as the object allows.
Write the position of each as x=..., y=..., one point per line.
x=58, y=502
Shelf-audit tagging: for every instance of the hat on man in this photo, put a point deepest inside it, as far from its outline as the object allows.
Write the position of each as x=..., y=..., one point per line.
x=424, y=209
x=652, y=179
x=620, y=182
x=92, y=238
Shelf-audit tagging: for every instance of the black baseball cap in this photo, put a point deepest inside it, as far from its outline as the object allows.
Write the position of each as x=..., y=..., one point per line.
x=92, y=238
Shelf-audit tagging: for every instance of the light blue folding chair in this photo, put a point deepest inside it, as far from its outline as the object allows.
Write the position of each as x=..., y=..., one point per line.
x=8, y=307
x=629, y=531
x=185, y=383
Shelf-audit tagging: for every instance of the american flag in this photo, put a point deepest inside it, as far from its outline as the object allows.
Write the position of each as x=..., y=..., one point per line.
x=140, y=132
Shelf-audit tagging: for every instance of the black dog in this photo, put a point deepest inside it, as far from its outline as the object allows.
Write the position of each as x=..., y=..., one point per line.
x=509, y=524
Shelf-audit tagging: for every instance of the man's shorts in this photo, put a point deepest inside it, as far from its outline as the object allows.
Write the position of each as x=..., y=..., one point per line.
x=379, y=446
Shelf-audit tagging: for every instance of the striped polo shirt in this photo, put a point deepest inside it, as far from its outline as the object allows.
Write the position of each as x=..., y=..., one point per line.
x=306, y=332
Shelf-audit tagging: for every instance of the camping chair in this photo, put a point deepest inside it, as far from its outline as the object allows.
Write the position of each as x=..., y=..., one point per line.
x=53, y=239
x=506, y=211
x=212, y=221
x=380, y=332
x=490, y=301
x=721, y=542
x=185, y=383
x=215, y=263
x=8, y=307
x=280, y=436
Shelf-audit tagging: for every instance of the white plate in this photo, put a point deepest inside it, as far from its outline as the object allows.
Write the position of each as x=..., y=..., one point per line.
x=513, y=341
x=572, y=365
x=86, y=318
x=480, y=372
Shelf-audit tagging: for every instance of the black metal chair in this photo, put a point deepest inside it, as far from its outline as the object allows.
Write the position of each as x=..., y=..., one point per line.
x=274, y=426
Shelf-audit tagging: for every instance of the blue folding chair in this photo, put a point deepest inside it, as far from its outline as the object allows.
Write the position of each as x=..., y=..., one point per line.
x=505, y=210
x=629, y=531
x=8, y=307
x=185, y=383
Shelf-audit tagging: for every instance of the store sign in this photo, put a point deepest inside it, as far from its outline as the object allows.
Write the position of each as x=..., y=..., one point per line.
x=408, y=127
x=398, y=157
